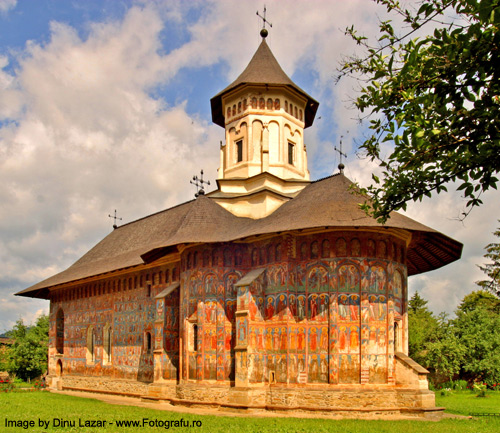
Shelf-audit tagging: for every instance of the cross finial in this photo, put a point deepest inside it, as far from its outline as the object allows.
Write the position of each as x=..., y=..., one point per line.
x=115, y=218
x=264, y=31
x=198, y=182
x=341, y=154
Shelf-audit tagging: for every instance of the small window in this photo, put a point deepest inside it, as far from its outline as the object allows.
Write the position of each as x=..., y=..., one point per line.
x=195, y=338
x=239, y=151
x=148, y=290
x=149, y=342
x=290, y=153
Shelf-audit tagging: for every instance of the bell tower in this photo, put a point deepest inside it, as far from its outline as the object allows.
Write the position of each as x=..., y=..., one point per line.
x=263, y=162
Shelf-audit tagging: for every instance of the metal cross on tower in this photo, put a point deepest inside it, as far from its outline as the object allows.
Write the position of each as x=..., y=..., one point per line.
x=198, y=182
x=264, y=31
x=115, y=218
x=341, y=154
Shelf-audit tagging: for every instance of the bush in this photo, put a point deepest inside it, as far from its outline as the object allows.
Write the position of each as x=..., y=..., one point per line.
x=480, y=389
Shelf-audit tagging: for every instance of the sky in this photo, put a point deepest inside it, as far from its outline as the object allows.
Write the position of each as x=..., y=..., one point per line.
x=105, y=105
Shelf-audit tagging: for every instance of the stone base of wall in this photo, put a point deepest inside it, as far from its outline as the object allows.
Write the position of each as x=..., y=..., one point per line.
x=348, y=401
x=331, y=400
x=101, y=384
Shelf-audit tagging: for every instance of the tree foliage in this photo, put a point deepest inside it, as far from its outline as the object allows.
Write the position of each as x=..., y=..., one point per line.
x=466, y=347
x=27, y=356
x=492, y=269
x=434, y=98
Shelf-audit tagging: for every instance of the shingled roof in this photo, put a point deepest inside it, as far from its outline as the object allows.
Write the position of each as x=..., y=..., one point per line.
x=263, y=69
x=325, y=203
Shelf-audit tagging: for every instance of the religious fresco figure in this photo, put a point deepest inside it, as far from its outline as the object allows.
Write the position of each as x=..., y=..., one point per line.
x=354, y=339
x=313, y=339
x=313, y=306
x=342, y=342
x=281, y=306
x=301, y=310
x=270, y=308
x=323, y=344
x=301, y=339
x=344, y=307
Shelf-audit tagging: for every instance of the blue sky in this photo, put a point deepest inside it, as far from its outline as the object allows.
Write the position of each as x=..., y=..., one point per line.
x=105, y=105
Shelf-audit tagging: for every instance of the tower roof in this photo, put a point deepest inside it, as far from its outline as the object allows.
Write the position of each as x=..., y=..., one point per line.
x=263, y=69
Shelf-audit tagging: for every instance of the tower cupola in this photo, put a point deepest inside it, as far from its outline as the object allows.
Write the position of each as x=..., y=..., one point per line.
x=264, y=114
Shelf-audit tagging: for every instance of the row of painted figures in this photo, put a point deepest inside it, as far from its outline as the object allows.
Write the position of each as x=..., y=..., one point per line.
x=280, y=307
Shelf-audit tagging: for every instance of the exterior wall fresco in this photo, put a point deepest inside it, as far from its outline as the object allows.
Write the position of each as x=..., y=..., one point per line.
x=322, y=311
x=125, y=308
x=318, y=315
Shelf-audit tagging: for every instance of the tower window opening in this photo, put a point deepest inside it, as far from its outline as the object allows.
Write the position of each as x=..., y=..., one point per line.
x=239, y=151
x=290, y=153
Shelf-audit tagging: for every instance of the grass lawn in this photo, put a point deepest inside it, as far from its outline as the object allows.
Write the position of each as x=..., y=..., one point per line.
x=44, y=406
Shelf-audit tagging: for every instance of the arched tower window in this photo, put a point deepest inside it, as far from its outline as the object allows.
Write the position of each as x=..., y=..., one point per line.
x=239, y=151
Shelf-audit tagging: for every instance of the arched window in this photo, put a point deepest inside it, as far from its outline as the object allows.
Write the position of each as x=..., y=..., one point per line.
x=234, y=110
x=60, y=331
x=167, y=276
x=286, y=106
x=228, y=112
x=276, y=104
x=195, y=338
x=239, y=107
x=269, y=104
x=397, y=338
x=215, y=258
x=107, y=343
x=262, y=104
x=90, y=345
x=206, y=259
x=254, y=102
x=300, y=115
x=245, y=104
x=195, y=259
x=148, y=343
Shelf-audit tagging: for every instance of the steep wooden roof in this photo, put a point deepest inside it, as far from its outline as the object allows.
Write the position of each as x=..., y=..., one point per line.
x=326, y=203
x=263, y=69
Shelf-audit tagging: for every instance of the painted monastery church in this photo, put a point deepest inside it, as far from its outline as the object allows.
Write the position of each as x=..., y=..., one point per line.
x=271, y=292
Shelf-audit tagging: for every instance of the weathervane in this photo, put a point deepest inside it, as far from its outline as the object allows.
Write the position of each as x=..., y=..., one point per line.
x=264, y=31
x=198, y=182
x=341, y=166
x=115, y=218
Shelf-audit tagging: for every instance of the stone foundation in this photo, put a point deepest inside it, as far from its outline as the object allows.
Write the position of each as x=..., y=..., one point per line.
x=351, y=401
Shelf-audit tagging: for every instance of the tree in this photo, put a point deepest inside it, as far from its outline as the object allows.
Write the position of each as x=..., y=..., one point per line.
x=423, y=328
x=27, y=356
x=434, y=98
x=492, y=269
x=476, y=327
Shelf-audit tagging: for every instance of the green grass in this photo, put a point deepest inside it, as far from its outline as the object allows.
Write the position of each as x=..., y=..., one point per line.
x=46, y=406
x=466, y=402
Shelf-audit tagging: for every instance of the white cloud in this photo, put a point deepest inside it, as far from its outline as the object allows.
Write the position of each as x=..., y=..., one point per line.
x=6, y=5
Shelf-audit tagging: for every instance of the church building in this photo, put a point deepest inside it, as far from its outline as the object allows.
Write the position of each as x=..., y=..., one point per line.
x=271, y=292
